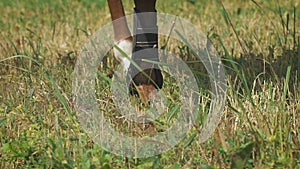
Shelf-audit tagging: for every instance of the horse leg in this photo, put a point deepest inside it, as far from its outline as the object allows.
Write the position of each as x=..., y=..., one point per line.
x=145, y=42
x=122, y=35
x=141, y=83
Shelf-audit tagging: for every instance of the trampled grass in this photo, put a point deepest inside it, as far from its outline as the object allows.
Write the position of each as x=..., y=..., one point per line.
x=258, y=42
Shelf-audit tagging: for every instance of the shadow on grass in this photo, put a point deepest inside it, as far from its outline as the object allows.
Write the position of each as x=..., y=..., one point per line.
x=269, y=68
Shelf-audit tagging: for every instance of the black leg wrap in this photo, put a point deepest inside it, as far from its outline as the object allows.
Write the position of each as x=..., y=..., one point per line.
x=145, y=48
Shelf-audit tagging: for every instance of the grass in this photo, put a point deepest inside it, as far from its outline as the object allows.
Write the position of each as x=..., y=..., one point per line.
x=257, y=40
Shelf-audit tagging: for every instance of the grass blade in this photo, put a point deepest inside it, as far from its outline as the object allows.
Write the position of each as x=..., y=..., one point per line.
x=60, y=97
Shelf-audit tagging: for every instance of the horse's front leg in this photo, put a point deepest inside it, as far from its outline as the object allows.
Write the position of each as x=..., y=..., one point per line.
x=122, y=34
x=145, y=42
x=144, y=46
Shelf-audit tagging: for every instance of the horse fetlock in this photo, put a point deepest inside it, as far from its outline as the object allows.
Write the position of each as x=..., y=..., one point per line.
x=123, y=52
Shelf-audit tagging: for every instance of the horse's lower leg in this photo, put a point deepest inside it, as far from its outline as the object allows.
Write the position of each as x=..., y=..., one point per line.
x=146, y=6
x=145, y=47
x=122, y=34
x=121, y=30
x=139, y=81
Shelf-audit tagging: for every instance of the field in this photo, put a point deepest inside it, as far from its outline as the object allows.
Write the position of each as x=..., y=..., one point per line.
x=258, y=41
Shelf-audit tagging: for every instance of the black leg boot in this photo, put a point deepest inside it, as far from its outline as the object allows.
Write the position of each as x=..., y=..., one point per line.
x=145, y=47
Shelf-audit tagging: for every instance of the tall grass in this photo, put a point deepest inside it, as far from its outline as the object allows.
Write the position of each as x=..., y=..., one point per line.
x=258, y=42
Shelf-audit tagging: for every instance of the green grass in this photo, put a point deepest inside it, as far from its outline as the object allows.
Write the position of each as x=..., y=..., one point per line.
x=257, y=40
